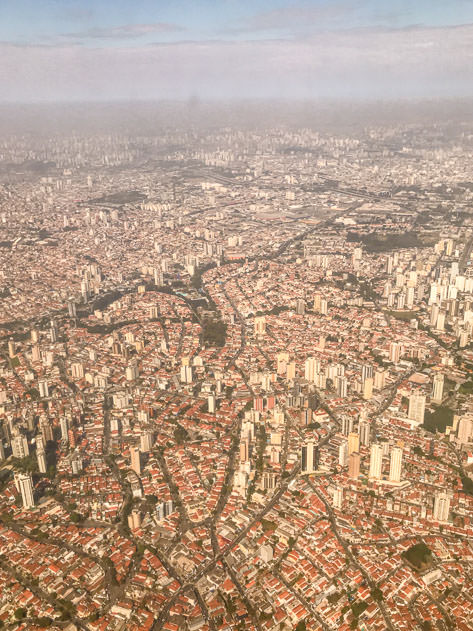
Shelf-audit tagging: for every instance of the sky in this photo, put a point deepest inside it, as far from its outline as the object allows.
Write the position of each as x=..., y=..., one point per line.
x=96, y=50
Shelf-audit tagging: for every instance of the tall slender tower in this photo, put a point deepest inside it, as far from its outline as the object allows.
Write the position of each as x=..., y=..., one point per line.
x=135, y=460
x=441, y=506
x=437, y=388
x=25, y=484
x=395, y=465
x=376, y=462
x=309, y=458
x=354, y=466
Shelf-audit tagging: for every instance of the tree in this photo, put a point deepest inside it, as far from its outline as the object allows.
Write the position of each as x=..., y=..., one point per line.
x=301, y=626
x=439, y=419
x=418, y=555
x=76, y=517
x=20, y=613
x=180, y=435
x=377, y=594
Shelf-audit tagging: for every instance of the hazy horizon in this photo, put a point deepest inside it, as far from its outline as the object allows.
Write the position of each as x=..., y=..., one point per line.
x=355, y=49
x=148, y=117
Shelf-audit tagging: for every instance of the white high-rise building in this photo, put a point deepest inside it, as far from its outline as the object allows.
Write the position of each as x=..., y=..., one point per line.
x=347, y=425
x=135, y=460
x=132, y=372
x=437, y=388
x=25, y=486
x=211, y=403
x=395, y=465
x=441, y=506
x=376, y=462
x=64, y=428
x=311, y=369
x=417, y=407
x=364, y=429
x=309, y=458
x=19, y=445
x=77, y=370
x=338, y=497
x=366, y=372
x=43, y=388
x=342, y=386
x=465, y=429
x=343, y=454
x=186, y=374
x=394, y=352
x=146, y=441
x=379, y=379
x=41, y=457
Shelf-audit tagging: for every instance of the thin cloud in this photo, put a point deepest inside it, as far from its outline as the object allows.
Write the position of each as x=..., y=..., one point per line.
x=381, y=64
x=294, y=17
x=126, y=31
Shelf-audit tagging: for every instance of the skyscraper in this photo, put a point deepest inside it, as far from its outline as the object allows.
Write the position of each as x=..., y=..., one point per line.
x=311, y=369
x=417, y=407
x=376, y=462
x=186, y=374
x=135, y=460
x=465, y=429
x=309, y=458
x=354, y=466
x=146, y=441
x=19, y=445
x=211, y=403
x=338, y=497
x=64, y=428
x=441, y=506
x=394, y=352
x=395, y=465
x=368, y=388
x=347, y=425
x=43, y=388
x=366, y=372
x=437, y=388
x=25, y=485
x=353, y=442
x=244, y=450
x=40, y=454
x=342, y=386
x=291, y=370
x=379, y=379
x=364, y=429
x=343, y=454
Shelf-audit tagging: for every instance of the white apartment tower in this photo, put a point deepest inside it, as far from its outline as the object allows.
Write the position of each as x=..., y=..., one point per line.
x=25, y=486
x=395, y=465
x=417, y=407
x=441, y=506
x=437, y=388
x=376, y=462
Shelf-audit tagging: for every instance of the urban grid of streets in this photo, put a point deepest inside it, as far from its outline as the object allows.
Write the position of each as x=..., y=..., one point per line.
x=235, y=380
